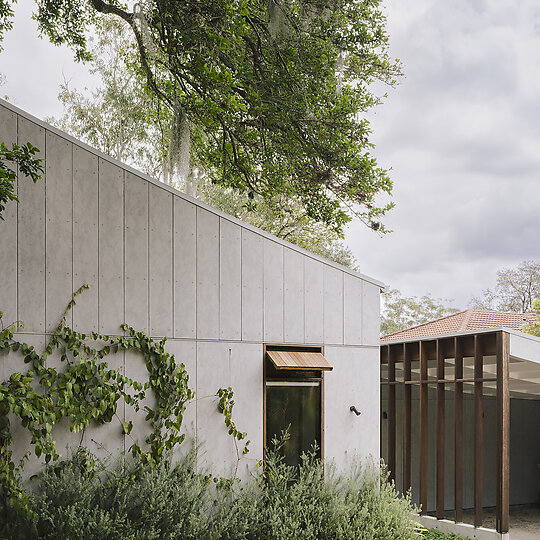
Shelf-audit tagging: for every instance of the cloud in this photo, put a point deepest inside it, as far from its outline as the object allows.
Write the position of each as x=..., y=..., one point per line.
x=461, y=134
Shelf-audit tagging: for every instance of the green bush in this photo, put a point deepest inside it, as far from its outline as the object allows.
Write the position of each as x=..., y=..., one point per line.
x=177, y=502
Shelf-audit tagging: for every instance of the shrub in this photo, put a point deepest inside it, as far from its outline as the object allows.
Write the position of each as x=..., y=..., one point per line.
x=132, y=502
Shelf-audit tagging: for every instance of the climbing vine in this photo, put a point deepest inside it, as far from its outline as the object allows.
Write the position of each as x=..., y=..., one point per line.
x=85, y=389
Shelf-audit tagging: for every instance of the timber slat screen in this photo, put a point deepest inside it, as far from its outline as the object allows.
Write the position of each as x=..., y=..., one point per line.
x=434, y=361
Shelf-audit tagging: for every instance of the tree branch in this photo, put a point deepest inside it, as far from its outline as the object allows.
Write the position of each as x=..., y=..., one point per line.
x=105, y=8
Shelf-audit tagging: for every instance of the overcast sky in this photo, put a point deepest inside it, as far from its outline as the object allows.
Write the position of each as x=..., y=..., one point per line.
x=461, y=134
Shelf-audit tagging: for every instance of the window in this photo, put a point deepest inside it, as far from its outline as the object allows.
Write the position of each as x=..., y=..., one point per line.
x=293, y=397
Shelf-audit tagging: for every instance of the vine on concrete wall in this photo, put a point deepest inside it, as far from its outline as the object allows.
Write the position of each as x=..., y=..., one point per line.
x=71, y=379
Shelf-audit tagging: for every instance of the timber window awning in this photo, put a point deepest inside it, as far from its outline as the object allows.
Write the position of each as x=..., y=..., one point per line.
x=296, y=360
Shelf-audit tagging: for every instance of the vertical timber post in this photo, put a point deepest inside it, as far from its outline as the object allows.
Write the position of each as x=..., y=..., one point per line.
x=503, y=431
x=478, y=431
x=391, y=357
x=423, y=428
x=407, y=389
x=440, y=428
x=458, y=430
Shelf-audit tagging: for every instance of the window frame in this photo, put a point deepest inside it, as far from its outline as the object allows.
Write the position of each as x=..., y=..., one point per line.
x=292, y=348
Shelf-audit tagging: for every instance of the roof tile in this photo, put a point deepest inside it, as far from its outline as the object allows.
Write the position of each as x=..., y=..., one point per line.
x=468, y=320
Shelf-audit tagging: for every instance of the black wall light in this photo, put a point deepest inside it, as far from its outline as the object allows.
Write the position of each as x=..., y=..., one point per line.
x=354, y=410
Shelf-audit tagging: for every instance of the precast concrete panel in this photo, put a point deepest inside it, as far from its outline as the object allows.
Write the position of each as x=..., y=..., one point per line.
x=185, y=352
x=314, y=301
x=370, y=314
x=136, y=252
x=252, y=286
x=293, y=295
x=8, y=230
x=207, y=275
x=353, y=381
x=333, y=305
x=247, y=384
x=111, y=243
x=31, y=237
x=214, y=367
x=59, y=229
x=185, y=268
x=85, y=238
x=239, y=365
x=352, y=310
x=273, y=291
x=161, y=262
x=230, y=289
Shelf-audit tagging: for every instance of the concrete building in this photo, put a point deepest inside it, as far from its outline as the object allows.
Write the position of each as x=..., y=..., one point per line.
x=229, y=297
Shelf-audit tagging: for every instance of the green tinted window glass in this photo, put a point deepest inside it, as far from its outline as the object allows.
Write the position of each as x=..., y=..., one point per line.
x=296, y=407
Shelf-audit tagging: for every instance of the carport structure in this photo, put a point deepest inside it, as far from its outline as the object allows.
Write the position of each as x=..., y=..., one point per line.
x=460, y=423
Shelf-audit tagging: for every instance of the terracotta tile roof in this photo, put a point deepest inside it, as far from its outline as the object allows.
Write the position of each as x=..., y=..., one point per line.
x=468, y=320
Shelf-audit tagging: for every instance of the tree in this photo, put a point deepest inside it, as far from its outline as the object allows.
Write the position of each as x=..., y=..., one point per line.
x=120, y=118
x=271, y=94
x=516, y=289
x=534, y=327
x=400, y=312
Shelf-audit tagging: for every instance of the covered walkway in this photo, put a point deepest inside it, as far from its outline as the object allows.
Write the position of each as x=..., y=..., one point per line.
x=461, y=426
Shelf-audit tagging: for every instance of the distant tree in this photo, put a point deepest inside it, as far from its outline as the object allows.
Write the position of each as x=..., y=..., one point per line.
x=400, y=312
x=273, y=96
x=120, y=118
x=534, y=327
x=516, y=289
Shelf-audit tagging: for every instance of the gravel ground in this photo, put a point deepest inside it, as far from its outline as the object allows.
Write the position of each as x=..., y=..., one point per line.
x=524, y=522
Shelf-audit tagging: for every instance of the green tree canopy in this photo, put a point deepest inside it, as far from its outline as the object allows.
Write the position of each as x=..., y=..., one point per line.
x=120, y=118
x=400, y=312
x=273, y=93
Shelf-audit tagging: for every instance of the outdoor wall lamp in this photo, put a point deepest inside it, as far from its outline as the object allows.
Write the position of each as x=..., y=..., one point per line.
x=354, y=410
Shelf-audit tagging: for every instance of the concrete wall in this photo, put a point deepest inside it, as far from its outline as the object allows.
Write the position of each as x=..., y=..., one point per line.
x=171, y=266
x=524, y=449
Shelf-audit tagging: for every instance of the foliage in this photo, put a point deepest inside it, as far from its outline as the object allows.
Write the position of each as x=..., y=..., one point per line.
x=120, y=118
x=169, y=502
x=273, y=93
x=282, y=217
x=534, y=327
x=6, y=16
x=84, y=389
x=399, y=312
x=357, y=503
x=516, y=289
x=432, y=534
x=21, y=156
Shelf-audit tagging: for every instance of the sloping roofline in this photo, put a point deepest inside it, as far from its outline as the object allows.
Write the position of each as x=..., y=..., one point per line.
x=188, y=198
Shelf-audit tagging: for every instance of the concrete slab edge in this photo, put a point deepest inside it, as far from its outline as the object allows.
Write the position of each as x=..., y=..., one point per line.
x=461, y=529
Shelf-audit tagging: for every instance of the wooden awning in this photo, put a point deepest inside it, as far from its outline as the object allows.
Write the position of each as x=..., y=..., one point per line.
x=299, y=360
